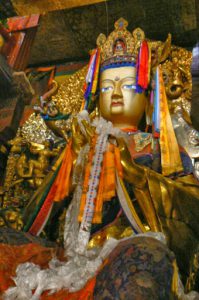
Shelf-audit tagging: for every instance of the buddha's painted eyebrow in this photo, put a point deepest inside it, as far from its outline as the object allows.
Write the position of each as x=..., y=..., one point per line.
x=128, y=78
x=109, y=80
x=123, y=79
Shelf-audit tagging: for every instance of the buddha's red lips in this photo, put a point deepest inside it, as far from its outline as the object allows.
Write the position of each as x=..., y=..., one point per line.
x=118, y=103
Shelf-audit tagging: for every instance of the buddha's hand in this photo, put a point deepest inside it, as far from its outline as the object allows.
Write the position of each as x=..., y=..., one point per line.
x=79, y=138
x=133, y=173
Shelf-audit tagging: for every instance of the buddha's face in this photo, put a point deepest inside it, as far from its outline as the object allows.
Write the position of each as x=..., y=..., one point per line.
x=119, y=103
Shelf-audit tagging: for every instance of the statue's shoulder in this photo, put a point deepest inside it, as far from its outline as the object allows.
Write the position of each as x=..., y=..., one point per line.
x=140, y=145
x=145, y=150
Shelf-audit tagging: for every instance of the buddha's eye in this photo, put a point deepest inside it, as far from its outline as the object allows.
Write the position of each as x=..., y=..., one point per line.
x=106, y=89
x=129, y=86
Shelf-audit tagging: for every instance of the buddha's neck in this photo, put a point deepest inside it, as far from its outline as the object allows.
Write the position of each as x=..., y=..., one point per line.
x=126, y=127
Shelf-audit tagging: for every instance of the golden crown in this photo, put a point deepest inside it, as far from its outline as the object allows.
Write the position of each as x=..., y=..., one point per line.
x=120, y=46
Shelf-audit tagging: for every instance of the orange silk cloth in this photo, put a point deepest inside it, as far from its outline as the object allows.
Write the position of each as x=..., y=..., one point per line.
x=12, y=256
x=107, y=181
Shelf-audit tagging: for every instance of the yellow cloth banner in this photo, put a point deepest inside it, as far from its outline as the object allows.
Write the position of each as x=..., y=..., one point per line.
x=170, y=155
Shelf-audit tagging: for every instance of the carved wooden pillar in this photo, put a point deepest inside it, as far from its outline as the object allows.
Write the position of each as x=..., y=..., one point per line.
x=18, y=40
x=15, y=89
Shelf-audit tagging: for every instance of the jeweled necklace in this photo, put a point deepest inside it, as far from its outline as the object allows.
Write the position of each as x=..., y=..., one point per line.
x=130, y=130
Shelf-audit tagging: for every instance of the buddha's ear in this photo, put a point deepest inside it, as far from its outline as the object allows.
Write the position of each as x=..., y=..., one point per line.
x=95, y=113
x=148, y=113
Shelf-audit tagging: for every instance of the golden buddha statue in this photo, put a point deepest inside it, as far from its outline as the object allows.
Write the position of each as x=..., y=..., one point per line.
x=125, y=183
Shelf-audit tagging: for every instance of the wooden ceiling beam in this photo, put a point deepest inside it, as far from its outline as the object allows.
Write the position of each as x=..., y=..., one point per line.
x=27, y=7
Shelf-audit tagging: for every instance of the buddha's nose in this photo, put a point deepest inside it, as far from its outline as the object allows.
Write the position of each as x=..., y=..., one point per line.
x=117, y=92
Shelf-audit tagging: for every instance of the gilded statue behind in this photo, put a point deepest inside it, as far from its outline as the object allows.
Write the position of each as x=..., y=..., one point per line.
x=34, y=170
